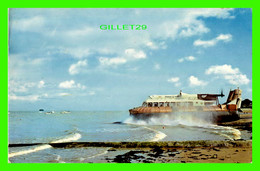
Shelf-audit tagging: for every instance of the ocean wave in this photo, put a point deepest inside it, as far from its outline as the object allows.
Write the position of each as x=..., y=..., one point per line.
x=224, y=131
x=158, y=134
x=69, y=138
x=73, y=137
x=34, y=149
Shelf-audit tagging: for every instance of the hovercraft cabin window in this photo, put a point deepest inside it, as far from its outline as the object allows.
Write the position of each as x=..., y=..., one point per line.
x=161, y=104
x=155, y=104
x=150, y=104
x=144, y=104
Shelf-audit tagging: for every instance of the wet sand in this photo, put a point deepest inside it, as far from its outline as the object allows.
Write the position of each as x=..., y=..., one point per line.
x=183, y=155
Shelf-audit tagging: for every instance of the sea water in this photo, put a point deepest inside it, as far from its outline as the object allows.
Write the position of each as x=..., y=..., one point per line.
x=99, y=126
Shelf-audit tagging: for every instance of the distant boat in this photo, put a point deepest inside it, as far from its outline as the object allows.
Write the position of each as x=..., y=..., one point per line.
x=41, y=110
x=64, y=112
x=49, y=112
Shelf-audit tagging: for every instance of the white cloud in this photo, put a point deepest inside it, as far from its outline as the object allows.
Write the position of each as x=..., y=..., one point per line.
x=188, y=58
x=196, y=28
x=173, y=79
x=80, y=32
x=31, y=98
x=213, y=12
x=71, y=84
x=232, y=75
x=129, y=55
x=34, y=24
x=222, y=69
x=37, y=61
x=224, y=37
x=64, y=94
x=77, y=52
x=80, y=39
x=76, y=68
x=167, y=23
x=151, y=45
x=205, y=43
x=112, y=61
x=194, y=81
x=132, y=53
x=14, y=86
x=213, y=42
x=41, y=84
x=21, y=87
x=237, y=79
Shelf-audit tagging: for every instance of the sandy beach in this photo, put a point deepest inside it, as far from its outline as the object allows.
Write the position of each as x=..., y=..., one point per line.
x=183, y=155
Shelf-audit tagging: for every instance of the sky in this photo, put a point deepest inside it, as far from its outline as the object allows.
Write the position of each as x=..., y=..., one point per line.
x=60, y=59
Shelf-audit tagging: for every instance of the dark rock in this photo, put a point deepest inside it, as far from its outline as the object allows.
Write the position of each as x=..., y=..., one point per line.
x=172, y=154
x=146, y=161
x=216, y=149
x=127, y=157
x=111, y=150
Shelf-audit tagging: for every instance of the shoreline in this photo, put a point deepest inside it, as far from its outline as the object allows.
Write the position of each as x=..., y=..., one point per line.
x=202, y=151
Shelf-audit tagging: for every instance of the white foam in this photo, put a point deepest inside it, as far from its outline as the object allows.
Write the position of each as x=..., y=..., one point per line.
x=153, y=121
x=158, y=134
x=73, y=137
x=194, y=119
x=228, y=132
x=34, y=149
x=235, y=132
x=178, y=118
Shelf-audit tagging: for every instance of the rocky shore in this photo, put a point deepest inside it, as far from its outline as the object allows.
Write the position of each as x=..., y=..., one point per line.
x=239, y=151
x=184, y=155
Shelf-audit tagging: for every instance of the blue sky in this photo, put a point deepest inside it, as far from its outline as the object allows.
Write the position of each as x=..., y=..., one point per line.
x=59, y=59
